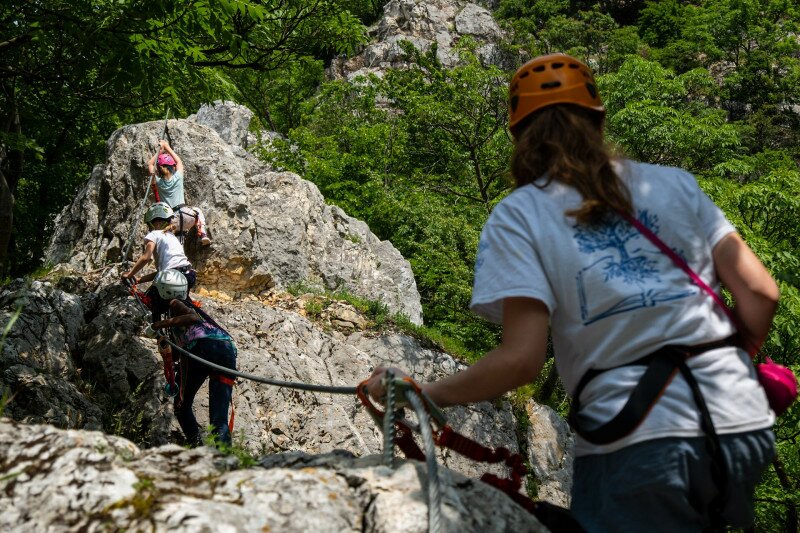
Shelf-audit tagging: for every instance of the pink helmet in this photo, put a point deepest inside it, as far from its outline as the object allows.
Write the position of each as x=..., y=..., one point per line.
x=166, y=159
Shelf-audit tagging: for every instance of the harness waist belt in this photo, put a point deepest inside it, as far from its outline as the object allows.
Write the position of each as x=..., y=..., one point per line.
x=662, y=365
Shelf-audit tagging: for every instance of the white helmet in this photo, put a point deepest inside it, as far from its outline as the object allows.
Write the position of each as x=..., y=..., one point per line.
x=171, y=284
x=158, y=210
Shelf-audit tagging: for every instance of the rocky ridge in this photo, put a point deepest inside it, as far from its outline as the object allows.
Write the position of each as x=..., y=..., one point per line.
x=74, y=356
x=270, y=229
x=439, y=23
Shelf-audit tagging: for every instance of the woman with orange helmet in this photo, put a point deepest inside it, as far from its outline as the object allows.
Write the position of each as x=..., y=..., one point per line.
x=673, y=426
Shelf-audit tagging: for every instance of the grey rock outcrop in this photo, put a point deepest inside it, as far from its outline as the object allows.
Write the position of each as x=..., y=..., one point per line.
x=74, y=358
x=57, y=480
x=269, y=229
x=551, y=447
x=38, y=368
x=230, y=120
x=422, y=23
x=55, y=352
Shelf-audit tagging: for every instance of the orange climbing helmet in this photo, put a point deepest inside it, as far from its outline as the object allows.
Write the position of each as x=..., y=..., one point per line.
x=548, y=80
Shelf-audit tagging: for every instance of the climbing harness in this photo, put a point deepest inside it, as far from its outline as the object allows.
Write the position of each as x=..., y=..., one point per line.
x=179, y=211
x=137, y=217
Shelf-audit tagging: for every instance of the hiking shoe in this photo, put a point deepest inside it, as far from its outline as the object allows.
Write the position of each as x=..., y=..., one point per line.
x=205, y=241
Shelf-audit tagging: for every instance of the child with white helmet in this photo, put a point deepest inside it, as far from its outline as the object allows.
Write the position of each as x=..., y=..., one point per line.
x=162, y=244
x=170, y=186
x=199, y=334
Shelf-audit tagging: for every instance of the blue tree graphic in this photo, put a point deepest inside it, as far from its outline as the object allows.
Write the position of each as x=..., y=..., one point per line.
x=616, y=234
x=635, y=267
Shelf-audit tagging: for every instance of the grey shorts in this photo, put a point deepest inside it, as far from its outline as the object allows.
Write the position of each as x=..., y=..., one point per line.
x=665, y=484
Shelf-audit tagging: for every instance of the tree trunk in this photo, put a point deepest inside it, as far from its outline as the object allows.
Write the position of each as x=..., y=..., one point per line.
x=788, y=487
x=6, y=220
x=12, y=161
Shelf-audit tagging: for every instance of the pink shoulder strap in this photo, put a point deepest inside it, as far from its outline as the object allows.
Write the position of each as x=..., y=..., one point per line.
x=680, y=262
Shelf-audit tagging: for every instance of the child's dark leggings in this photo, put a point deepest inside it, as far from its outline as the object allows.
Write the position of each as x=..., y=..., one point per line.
x=191, y=376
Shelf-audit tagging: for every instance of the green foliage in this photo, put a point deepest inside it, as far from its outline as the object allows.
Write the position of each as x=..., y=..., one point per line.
x=662, y=118
x=127, y=421
x=72, y=71
x=455, y=121
x=423, y=177
x=235, y=449
x=314, y=307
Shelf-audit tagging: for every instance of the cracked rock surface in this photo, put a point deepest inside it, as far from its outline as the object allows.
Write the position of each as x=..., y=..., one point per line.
x=424, y=24
x=269, y=229
x=74, y=358
x=85, y=365
x=74, y=480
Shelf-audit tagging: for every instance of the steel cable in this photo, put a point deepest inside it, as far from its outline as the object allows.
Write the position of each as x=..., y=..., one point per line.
x=435, y=524
x=388, y=421
x=261, y=379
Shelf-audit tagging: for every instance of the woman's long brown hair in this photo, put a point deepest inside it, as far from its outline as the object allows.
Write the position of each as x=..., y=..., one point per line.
x=565, y=142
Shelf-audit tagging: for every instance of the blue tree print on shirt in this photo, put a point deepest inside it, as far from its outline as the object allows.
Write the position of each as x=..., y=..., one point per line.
x=635, y=268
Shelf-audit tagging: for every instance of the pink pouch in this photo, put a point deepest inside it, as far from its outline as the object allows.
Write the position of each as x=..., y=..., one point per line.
x=779, y=383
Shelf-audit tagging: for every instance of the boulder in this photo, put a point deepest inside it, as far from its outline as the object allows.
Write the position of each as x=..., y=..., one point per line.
x=229, y=119
x=270, y=229
x=41, y=378
x=74, y=480
x=551, y=452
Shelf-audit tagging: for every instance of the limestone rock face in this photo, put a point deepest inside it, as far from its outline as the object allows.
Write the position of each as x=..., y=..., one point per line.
x=58, y=480
x=229, y=119
x=286, y=346
x=37, y=363
x=269, y=229
x=74, y=357
x=551, y=447
x=423, y=24
x=80, y=362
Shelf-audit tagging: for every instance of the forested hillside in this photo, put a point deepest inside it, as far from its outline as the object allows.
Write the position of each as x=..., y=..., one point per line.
x=421, y=153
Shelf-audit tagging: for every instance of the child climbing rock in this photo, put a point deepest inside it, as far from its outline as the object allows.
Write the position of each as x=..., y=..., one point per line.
x=199, y=334
x=169, y=181
x=162, y=244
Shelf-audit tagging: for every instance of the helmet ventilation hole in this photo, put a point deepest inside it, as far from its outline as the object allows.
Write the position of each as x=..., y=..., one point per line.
x=551, y=84
x=557, y=65
x=592, y=90
x=524, y=75
x=574, y=65
x=537, y=68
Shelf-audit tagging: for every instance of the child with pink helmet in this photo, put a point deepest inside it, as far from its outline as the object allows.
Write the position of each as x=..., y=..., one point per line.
x=169, y=181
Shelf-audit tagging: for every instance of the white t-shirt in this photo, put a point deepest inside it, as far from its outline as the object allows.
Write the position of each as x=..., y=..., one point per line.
x=169, y=252
x=613, y=297
x=171, y=190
